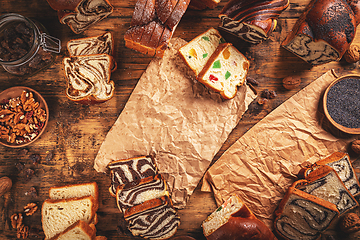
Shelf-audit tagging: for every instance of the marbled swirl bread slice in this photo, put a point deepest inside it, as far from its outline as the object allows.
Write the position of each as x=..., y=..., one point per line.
x=88, y=78
x=324, y=183
x=197, y=52
x=91, y=45
x=153, y=219
x=137, y=192
x=129, y=170
x=302, y=216
x=225, y=70
x=341, y=163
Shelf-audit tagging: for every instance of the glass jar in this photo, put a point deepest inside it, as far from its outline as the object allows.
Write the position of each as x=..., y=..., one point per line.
x=25, y=46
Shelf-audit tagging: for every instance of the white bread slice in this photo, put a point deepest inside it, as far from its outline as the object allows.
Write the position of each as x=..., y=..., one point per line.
x=58, y=214
x=75, y=191
x=225, y=70
x=78, y=231
x=197, y=52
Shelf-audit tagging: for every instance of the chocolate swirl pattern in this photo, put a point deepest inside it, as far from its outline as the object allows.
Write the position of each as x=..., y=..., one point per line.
x=330, y=188
x=129, y=195
x=89, y=76
x=303, y=218
x=88, y=12
x=92, y=45
x=158, y=222
x=134, y=169
x=251, y=20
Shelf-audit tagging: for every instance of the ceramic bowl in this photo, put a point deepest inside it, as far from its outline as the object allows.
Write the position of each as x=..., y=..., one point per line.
x=342, y=103
x=35, y=130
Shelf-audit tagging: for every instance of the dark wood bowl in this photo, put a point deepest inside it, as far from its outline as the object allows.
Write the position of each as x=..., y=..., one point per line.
x=328, y=108
x=14, y=92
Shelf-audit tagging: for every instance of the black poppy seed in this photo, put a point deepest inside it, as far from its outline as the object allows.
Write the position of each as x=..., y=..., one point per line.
x=343, y=102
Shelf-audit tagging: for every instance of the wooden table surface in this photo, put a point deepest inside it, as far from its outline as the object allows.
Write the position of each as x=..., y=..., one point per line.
x=75, y=132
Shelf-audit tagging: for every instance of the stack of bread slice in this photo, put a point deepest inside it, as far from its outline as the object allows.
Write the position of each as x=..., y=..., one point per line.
x=70, y=212
x=142, y=196
x=88, y=69
x=327, y=190
x=216, y=64
x=153, y=24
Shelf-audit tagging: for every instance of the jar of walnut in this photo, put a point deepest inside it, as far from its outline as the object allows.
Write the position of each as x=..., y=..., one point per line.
x=25, y=46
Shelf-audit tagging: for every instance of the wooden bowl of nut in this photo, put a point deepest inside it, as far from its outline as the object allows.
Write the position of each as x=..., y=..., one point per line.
x=342, y=103
x=24, y=115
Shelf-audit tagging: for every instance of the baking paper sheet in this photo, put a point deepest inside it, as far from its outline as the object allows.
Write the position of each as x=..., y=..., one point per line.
x=263, y=163
x=175, y=118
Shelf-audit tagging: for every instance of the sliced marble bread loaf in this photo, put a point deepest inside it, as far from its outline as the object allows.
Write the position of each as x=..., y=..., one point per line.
x=128, y=170
x=135, y=193
x=325, y=183
x=91, y=45
x=153, y=219
x=302, y=216
x=225, y=70
x=197, y=52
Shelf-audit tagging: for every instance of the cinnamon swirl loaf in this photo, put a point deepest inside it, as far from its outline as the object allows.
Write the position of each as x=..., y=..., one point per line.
x=81, y=14
x=251, y=20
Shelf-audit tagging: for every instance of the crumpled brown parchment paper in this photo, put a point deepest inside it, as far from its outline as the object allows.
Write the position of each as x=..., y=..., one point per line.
x=263, y=163
x=175, y=118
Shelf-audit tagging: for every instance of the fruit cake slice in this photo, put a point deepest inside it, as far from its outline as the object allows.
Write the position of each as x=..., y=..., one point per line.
x=197, y=52
x=324, y=183
x=303, y=216
x=225, y=70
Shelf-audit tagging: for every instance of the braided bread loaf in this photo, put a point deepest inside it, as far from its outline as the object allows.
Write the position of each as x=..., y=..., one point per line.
x=251, y=20
x=324, y=31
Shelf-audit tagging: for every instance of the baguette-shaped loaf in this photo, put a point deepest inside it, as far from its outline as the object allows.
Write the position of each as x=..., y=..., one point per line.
x=225, y=70
x=251, y=20
x=233, y=220
x=341, y=163
x=76, y=191
x=77, y=231
x=153, y=219
x=88, y=78
x=303, y=216
x=81, y=14
x=324, y=31
x=324, y=183
x=57, y=215
x=128, y=170
x=197, y=52
x=137, y=192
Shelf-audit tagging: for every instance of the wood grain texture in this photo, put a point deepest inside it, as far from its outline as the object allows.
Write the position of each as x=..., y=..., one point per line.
x=75, y=132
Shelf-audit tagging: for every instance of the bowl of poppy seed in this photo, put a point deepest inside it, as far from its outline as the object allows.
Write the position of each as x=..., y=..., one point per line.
x=342, y=103
x=24, y=115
